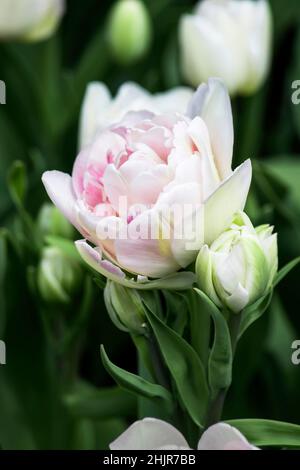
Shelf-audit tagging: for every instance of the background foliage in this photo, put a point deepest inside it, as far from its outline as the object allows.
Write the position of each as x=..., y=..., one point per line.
x=55, y=393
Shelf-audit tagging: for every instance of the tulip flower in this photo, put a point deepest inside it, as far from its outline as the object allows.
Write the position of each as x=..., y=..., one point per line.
x=29, y=20
x=230, y=39
x=129, y=30
x=154, y=164
x=100, y=110
x=155, y=434
x=58, y=277
x=240, y=265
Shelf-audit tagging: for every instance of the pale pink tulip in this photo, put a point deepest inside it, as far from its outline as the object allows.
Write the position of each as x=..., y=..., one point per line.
x=154, y=162
x=155, y=434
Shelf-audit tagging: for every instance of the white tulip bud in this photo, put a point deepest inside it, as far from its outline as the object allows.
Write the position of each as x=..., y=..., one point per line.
x=240, y=265
x=229, y=39
x=58, y=276
x=125, y=307
x=129, y=30
x=51, y=222
x=29, y=20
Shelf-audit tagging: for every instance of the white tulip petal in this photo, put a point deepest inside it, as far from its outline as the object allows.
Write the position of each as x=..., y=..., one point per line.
x=96, y=101
x=238, y=300
x=204, y=272
x=60, y=190
x=222, y=436
x=211, y=101
x=174, y=100
x=228, y=199
x=182, y=209
x=150, y=434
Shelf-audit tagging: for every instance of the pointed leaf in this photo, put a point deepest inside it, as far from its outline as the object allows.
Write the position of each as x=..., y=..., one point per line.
x=264, y=432
x=133, y=383
x=285, y=270
x=220, y=358
x=185, y=367
x=254, y=312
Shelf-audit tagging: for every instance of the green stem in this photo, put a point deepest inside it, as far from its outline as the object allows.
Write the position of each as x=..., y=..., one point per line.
x=159, y=367
x=216, y=409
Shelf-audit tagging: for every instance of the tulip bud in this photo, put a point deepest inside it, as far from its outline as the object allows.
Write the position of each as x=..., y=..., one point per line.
x=51, y=222
x=129, y=30
x=240, y=265
x=59, y=276
x=30, y=20
x=125, y=307
x=229, y=39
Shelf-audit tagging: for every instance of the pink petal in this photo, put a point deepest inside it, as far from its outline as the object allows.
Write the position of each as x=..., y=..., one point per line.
x=141, y=252
x=94, y=259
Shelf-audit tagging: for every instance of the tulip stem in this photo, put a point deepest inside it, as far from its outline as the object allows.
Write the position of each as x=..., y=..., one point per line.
x=234, y=329
x=216, y=409
x=157, y=362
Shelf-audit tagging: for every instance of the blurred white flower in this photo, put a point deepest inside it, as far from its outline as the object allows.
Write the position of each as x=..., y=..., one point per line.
x=230, y=39
x=100, y=110
x=240, y=265
x=155, y=434
x=58, y=277
x=29, y=20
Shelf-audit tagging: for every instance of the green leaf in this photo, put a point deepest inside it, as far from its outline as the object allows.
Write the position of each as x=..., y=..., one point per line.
x=220, y=358
x=185, y=367
x=134, y=383
x=17, y=182
x=86, y=401
x=273, y=189
x=285, y=270
x=264, y=432
x=176, y=311
x=200, y=325
x=254, y=312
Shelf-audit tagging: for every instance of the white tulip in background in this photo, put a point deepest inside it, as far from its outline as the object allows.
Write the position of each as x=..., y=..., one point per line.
x=230, y=39
x=29, y=20
x=100, y=110
x=155, y=434
x=240, y=265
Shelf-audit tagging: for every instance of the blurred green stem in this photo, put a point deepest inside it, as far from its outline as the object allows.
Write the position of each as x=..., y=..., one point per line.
x=249, y=114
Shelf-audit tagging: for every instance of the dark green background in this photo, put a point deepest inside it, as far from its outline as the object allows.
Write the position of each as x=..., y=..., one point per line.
x=41, y=406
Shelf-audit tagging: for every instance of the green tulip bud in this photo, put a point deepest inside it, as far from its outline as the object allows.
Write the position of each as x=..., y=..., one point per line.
x=51, y=222
x=129, y=30
x=125, y=307
x=240, y=265
x=59, y=276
